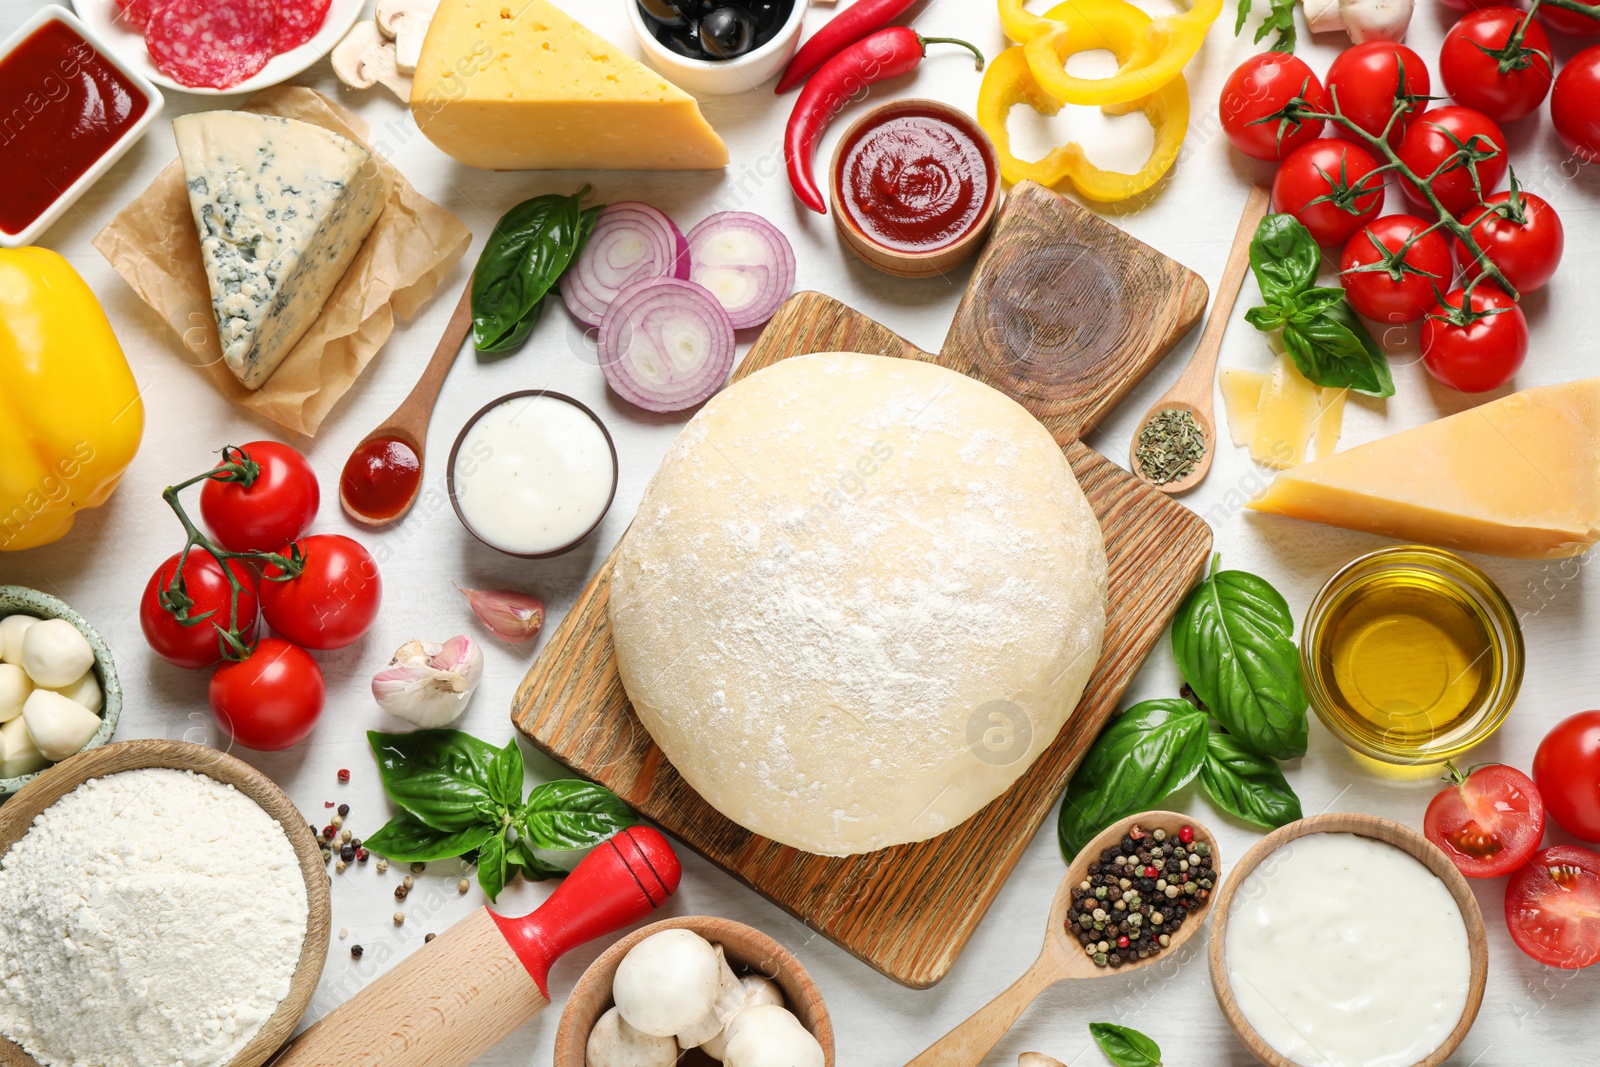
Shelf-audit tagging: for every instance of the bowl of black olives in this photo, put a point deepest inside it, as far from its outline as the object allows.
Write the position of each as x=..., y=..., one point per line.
x=716, y=47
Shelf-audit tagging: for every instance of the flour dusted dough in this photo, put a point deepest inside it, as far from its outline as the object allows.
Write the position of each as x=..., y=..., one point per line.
x=860, y=597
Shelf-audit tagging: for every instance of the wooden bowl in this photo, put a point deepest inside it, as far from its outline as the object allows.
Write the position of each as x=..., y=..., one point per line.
x=55, y=782
x=1390, y=833
x=748, y=950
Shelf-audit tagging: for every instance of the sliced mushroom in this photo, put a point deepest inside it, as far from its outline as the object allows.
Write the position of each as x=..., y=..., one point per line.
x=366, y=58
x=406, y=23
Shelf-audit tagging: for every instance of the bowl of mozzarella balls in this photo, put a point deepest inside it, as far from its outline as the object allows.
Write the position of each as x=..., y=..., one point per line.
x=695, y=991
x=58, y=686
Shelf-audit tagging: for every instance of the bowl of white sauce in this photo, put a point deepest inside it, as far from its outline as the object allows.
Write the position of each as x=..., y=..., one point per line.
x=1347, y=940
x=533, y=473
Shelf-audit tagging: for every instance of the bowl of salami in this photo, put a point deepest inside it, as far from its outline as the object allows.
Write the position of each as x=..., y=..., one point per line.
x=219, y=47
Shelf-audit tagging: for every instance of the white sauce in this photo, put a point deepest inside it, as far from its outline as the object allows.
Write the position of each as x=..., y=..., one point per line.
x=533, y=474
x=1344, y=951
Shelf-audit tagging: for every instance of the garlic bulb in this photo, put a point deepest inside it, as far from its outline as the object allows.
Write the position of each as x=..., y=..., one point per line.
x=429, y=685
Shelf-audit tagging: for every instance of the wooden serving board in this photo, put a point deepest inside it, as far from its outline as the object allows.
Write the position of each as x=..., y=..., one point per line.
x=1064, y=312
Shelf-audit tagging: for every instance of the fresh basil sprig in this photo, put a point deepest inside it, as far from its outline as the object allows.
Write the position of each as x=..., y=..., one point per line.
x=1150, y=751
x=1125, y=1046
x=458, y=794
x=1247, y=786
x=531, y=247
x=1321, y=334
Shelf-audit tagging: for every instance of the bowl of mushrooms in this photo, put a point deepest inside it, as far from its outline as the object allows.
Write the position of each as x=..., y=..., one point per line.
x=695, y=991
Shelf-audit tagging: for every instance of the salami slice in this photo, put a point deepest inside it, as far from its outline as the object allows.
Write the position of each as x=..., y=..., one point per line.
x=215, y=44
x=137, y=13
x=298, y=22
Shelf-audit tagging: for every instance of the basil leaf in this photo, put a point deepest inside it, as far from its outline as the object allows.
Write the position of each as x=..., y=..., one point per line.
x=1315, y=301
x=530, y=248
x=406, y=839
x=1246, y=785
x=1125, y=1046
x=492, y=866
x=505, y=775
x=1147, y=753
x=1333, y=349
x=439, y=776
x=1232, y=641
x=571, y=814
x=531, y=867
x=1284, y=258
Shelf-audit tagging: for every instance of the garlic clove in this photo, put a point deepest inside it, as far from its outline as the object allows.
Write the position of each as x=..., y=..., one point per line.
x=18, y=754
x=85, y=691
x=12, y=627
x=730, y=998
x=59, y=727
x=54, y=653
x=430, y=685
x=14, y=689
x=516, y=617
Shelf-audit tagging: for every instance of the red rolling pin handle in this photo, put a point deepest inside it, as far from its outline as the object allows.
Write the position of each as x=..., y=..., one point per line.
x=619, y=883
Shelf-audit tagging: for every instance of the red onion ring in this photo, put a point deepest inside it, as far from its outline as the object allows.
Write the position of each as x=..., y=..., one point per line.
x=631, y=242
x=745, y=262
x=666, y=344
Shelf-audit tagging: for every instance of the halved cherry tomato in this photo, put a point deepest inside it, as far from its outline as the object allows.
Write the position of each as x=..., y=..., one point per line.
x=1553, y=907
x=1406, y=286
x=197, y=645
x=1339, y=171
x=1526, y=252
x=1488, y=821
x=1481, y=71
x=1432, y=141
x=271, y=699
x=1567, y=768
x=1262, y=86
x=1483, y=354
x=1367, y=78
x=1575, y=104
x=332, y=601
x=272, y=510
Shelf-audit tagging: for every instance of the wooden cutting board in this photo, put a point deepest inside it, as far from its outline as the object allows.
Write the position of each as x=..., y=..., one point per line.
x=1064, y=312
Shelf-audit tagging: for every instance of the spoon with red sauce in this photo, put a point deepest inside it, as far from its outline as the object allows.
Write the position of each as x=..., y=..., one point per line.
x=383, y=475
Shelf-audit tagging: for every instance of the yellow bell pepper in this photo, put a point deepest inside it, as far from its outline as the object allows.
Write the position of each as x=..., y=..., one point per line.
x=1152, y=58
x=70, y=414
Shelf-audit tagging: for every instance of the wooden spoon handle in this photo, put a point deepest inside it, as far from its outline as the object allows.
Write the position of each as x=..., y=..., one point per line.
x=416, y=410
x=969, y=1043
x=1202, y=369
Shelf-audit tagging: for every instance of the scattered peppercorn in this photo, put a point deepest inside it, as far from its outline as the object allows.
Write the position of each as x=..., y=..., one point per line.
x=408, y=881
x=1110, y=911
x=347, y=853
x=383, y=864
x=344, y=809
x=361, y=855
x=344, y=775
x=345, y=836
x=343, y=933
x=328, y=832
x=355, y=952
x=356, y=841
x=399, y=918
x=401, y=892
x=338, y=865
x=428, y=937
x=338, y=821
x=463, y=885
x=327, y=803
x=419, y=868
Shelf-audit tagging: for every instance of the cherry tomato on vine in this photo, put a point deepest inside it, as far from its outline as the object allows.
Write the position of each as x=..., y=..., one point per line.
x=1264, y=85
x=271, y=699
x=1328, y=168
x=1524, y=240
x=204, y=583
x=1570, y=23
x=1476, y=356
x=1488, y=821
x=1408, y=285
x=1553, y=907
x=1567, y=768
x=1575, y=104
x=1482, y=70
x=332, y=601
x=272, y=510
x=1469, y=5
x=1367, y=78
x=1432, y=140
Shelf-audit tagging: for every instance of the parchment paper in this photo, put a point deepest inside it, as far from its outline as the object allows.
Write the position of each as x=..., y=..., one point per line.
x=152, y=243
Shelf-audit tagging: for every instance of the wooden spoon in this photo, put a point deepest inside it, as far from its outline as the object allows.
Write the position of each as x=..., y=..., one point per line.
x=1193, y=390
x=409, y=422
x=1062, y=958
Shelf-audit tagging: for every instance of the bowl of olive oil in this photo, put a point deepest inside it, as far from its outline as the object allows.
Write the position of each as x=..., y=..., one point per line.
x=1411, y=655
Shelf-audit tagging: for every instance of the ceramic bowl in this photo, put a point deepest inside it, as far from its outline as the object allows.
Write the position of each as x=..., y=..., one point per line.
x=20, y=600
x=749, y=951
x=721, y=77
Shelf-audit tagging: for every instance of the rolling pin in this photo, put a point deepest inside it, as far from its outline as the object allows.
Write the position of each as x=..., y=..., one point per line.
x=467, y=989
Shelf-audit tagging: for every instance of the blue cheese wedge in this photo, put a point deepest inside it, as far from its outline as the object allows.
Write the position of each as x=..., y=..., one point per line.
x=282, y=207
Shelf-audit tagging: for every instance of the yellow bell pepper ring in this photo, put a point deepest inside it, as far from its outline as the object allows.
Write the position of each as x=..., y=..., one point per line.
x=1156, y=51
x=70, y=414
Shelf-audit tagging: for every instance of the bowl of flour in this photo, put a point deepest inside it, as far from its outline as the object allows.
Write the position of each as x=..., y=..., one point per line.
x=164, y=903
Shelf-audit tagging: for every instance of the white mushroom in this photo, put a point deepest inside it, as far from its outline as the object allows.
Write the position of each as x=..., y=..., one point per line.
x=667, y=982
x=59, y=727
x=769, y=1036
x=1363, y=20
x=12, y=627
x=757, y=990
x=54, y=653
x=14, y=689
x=613, y=1043
x=730, y=998
x=406, y=23
x=366, y=57
x=18, y=754
x=85, y=691
x=1037, y=1059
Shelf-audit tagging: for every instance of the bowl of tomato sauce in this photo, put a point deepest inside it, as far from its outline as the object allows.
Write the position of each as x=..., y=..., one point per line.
x=915, y=185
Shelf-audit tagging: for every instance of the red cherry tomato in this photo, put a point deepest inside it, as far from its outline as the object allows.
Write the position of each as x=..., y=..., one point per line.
x=1469, y=5
x=1567, y=768
x=1397, y=293
x=1314, y=171
x=1553, y=907
x=1570, y=23
x=1480, y=73
x=270, y=700
x=1481, y=355
x=273, y=510
x=1367, y=78
x=1526, y=252
x=198, y=645
x=1575, y=104
x=1488, y=822
x=333, y=600
x=1429, y=143
x=1264, y=85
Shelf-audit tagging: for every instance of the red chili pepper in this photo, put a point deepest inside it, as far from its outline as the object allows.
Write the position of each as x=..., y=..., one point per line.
x=860, y=19
x=886, y=54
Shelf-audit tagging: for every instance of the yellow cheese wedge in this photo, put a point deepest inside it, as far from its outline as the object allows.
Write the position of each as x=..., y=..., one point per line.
x=1330, y=422
x=1285, y=417
x=1241, y=397
x=1518, y=477
x=520, y=85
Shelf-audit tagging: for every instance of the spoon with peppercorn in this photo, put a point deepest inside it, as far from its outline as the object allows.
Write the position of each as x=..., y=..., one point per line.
x=1177, y=437
x=1135, y=893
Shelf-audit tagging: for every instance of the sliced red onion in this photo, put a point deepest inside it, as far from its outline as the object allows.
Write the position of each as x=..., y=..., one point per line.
x=666, y=344
x=631, y=242
x=745, y=262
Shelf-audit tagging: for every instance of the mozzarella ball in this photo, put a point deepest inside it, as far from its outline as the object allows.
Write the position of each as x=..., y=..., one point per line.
x=85, y=691
x=667, y=982
x=54, y=653
x=18, y=754
x=770, y=1036
x=12, y=628
x=58, y=726
x=613, y=1043
x=14, y=689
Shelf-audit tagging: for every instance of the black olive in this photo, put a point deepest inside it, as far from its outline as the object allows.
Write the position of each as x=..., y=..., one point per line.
x=662, y=13
x=769, y=15
x=727, y=33
x=682, y=41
